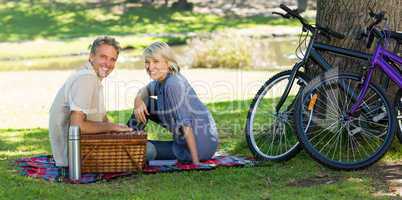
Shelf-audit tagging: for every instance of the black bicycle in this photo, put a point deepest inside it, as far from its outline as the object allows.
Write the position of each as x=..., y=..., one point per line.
x=270, y=128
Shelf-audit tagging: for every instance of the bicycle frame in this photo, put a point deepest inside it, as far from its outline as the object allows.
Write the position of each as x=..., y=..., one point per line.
x=378, y=60
x=313, y=53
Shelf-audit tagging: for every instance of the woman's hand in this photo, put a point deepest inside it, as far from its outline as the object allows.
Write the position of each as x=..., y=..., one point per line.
x=140, y=110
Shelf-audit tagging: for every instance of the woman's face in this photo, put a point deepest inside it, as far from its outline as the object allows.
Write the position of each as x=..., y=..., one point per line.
x=157, y=67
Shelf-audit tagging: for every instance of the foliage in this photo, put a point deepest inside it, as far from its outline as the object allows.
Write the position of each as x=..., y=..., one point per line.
x=232, y=49
x=222, y=50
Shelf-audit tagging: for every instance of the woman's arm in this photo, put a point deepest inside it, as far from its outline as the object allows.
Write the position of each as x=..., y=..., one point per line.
x=191, y=144
x=143, y=93
x=140, y=109
x=180, y=109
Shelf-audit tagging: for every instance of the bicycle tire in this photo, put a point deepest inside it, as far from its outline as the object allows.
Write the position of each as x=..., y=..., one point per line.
x=254, y=116
x=376, y=118
x=398, y=112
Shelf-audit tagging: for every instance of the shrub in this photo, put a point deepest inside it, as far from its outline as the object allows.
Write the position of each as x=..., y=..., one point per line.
x=232, y=49
x=221, y=50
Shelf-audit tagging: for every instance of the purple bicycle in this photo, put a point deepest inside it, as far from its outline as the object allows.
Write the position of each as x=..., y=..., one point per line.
x=345, y=121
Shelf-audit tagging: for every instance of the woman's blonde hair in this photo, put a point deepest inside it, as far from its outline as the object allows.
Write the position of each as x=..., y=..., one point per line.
x=162, y=49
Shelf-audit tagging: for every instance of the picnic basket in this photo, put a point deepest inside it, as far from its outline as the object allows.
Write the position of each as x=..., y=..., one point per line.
x=113, y=152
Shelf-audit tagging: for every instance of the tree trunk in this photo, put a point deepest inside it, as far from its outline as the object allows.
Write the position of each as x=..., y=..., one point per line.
x=183, y=5
x=351, y=18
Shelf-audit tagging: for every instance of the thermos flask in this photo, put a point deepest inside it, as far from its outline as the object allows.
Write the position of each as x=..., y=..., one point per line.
x=74, y=157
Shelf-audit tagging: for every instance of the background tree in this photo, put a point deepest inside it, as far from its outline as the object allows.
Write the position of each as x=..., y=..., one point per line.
x=182, y=5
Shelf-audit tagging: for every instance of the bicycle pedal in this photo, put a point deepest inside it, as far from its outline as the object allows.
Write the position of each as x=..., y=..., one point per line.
x=356, y=130
x=379, y=117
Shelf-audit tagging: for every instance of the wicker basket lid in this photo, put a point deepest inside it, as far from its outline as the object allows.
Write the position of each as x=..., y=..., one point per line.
x=115, y=135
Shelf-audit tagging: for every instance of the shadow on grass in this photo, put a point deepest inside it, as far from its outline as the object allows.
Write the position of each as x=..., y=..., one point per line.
x=22, y=21
x=23, y=141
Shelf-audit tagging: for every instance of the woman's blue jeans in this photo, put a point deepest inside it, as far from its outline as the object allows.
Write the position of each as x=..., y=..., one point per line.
x=156, y=150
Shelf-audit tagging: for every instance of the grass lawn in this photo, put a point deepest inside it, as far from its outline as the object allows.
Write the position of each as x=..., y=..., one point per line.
x=63, y=21
x=299, y=177
x=49, y=36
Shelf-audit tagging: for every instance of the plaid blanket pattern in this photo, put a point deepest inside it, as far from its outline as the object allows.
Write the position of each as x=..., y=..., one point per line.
x=43, y=167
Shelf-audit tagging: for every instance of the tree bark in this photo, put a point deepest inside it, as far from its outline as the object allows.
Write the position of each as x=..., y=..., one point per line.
x=183, y=5
x=351, y=18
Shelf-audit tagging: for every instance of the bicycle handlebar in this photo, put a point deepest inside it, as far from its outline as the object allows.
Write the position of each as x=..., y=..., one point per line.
x=378, y=18
x=322, y=30
x=330, y=33
x=295, y=14
x=373, y=32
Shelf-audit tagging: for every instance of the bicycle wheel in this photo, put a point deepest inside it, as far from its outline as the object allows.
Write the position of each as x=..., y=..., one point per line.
x=398, y=116
x=271, y=135
x=332, y=136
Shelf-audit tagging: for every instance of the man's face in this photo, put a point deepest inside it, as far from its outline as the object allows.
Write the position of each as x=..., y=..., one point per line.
x=104, y=60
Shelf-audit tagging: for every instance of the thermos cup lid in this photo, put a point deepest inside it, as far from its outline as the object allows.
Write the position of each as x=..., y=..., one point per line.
x=74, y=133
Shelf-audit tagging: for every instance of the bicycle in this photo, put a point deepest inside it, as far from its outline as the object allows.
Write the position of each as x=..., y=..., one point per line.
x=270, y=125
x=350, y=130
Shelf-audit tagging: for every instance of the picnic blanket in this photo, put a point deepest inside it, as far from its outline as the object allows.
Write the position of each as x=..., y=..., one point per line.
x=43, y=167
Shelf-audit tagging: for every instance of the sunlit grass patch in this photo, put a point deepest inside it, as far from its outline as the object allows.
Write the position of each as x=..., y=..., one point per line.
x=23, y=21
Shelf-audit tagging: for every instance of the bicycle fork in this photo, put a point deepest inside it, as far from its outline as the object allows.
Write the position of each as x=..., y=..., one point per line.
x=362, y=93
x=291, y=79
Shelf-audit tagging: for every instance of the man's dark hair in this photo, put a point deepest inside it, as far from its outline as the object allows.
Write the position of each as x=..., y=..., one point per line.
x=104, y=40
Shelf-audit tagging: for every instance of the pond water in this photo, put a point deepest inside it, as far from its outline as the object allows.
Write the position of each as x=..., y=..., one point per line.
x=269, y=54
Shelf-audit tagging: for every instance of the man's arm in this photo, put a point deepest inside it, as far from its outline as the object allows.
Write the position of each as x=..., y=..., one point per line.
x=78, y=118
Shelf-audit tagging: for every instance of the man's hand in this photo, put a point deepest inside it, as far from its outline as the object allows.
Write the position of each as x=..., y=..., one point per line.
x=140, y=110
x=78, y=118
x=121, y=128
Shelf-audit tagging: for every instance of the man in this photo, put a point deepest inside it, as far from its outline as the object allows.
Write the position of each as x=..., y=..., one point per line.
x=80, y=100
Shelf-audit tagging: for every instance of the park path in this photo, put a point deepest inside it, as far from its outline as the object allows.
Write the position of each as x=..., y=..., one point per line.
x=27, y=96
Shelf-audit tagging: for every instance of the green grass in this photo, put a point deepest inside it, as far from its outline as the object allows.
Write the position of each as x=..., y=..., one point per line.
x=43, y=36
x=22, y=21
x=270, y=181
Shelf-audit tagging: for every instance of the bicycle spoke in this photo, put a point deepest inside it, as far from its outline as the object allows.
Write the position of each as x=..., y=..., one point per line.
x=337, y=137
x=278, y=141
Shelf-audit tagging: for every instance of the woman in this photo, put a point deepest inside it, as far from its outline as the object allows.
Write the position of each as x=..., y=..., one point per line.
x=170, y=101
